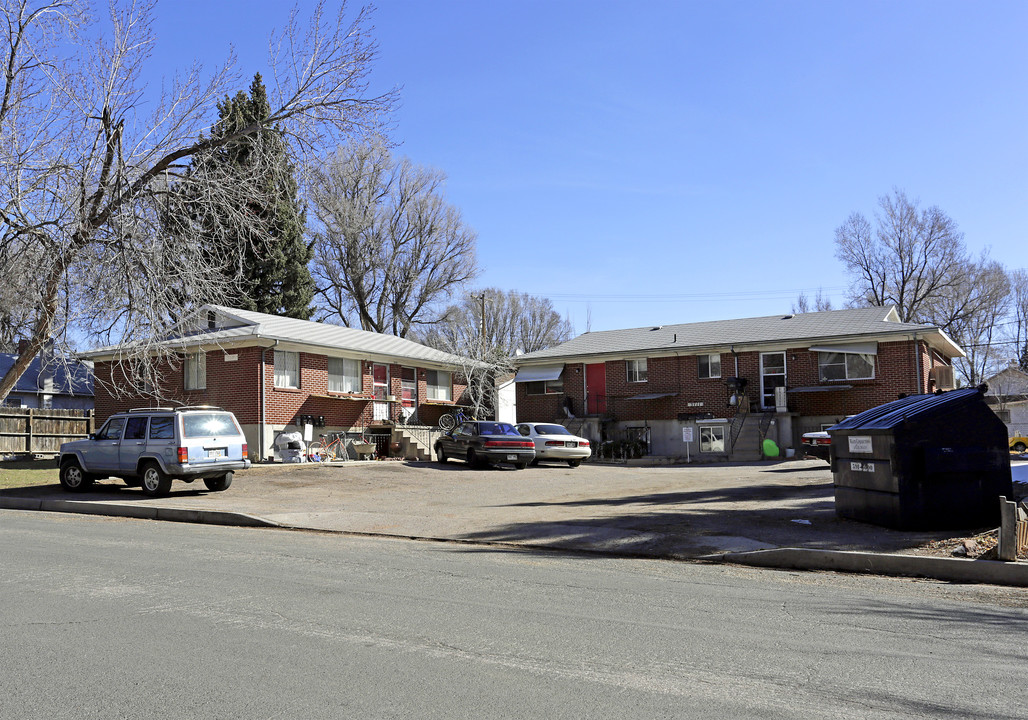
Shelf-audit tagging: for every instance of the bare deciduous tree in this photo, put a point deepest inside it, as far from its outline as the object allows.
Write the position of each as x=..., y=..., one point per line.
x=489, y=329
x=1019, y=310
x=390, y=251
x=509, y=321
x=976, y=305
x=821, y=303
x=84, y=175
x=916, y=260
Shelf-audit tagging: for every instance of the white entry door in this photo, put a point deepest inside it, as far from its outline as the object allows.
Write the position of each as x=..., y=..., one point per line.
x=380, y=374
x=772, y=375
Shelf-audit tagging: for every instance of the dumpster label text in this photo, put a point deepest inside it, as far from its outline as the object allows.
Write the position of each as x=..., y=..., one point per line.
x=862, y=467
x=860, y=443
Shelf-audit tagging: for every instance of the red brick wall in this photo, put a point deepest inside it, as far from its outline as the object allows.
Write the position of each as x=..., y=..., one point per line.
x=895, y=374
x=235, y=386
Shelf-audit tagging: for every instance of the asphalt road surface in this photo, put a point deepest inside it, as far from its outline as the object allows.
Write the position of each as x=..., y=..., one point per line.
x=116, y=618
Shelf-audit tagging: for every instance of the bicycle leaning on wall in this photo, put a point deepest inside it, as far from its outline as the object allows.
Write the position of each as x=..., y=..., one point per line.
x=451, y=420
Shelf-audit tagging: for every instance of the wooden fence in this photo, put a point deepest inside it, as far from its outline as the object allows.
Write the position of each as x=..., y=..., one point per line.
x=30, y=431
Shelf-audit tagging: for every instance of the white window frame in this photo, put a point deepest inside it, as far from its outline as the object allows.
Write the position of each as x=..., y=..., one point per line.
x=712, y=430
x=194, y=371
x=287, y=370
x=843, y=362
x=436, y=388
x=710, y=363
x=345, y=377
x=636, y=370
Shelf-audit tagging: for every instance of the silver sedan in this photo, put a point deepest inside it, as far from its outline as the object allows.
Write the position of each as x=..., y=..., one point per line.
x=554, y=442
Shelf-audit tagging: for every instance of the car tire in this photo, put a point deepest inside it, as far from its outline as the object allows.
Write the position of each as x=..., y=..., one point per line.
x=155, y=482
x=520, y=466
x=1019, y=447
x=218, y=484
x=473, y=460
x=74, y=478
x=440, y=454
x=574, y=463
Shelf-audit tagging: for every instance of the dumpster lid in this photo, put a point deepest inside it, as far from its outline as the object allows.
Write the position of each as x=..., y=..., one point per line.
x=895, y=413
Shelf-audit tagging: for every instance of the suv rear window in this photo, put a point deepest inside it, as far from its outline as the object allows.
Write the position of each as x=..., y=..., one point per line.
x=195, y=425
x=162, y=428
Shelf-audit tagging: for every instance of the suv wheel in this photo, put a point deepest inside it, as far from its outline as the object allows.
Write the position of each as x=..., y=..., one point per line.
x=217, y=484
x=73, y=478
x=155, y=482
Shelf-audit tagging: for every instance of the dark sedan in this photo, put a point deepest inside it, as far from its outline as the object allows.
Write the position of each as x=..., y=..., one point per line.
x=482, y=443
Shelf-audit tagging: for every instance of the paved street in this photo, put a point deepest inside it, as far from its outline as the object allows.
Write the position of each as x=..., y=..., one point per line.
x=131, y=618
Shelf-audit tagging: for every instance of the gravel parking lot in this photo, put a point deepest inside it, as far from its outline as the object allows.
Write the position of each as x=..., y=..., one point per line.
x=681, y=511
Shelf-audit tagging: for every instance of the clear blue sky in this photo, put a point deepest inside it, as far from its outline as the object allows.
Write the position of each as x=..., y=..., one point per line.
x=659, y=162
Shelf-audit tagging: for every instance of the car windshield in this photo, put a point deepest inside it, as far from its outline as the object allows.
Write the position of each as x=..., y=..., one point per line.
x=196, y=425
x=551, y=430
x=496, y=428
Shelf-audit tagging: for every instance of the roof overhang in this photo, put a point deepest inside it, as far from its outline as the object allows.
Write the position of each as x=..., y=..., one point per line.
x=536, y=373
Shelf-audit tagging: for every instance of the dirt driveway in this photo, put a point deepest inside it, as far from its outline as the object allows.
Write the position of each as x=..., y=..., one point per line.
x=683, y=511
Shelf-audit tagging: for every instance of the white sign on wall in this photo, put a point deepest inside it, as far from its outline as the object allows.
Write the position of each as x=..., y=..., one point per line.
x=687, y=434
x=860, y=444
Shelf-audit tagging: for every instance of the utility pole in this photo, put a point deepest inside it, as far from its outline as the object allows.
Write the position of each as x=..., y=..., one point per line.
x=481, y=299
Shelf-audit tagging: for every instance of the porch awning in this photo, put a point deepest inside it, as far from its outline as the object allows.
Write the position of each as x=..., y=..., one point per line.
x=539, y=372
x=651, y=396
x=860, y=348
x=819, y=388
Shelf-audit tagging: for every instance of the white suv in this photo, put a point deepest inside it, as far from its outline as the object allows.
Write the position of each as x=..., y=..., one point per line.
x=150, y=447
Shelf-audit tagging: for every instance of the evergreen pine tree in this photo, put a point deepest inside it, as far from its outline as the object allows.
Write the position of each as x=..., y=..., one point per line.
x=271, y=272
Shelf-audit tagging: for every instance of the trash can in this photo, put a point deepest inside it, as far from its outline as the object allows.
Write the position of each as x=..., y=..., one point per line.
x=290, y=447
x=925, y=462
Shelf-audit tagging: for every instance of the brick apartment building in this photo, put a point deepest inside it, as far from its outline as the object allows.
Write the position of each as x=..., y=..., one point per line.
x=717, y=390
x=272, y=372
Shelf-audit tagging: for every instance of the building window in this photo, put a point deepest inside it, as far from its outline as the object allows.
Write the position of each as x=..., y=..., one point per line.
x=287, y=369
x=845, y=366
x=12, y=402
x=545, y=387
x=712, y=439
x=710, y=366
x=439, y=385
x=344, y=375
x=636, y=370
x=194, y=371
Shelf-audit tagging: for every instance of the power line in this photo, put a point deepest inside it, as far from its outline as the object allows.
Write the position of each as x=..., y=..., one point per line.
x=704, y=296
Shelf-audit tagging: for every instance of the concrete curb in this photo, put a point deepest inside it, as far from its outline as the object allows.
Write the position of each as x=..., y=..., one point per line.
x=946, y=569
x=144, y=512
x=937, y=568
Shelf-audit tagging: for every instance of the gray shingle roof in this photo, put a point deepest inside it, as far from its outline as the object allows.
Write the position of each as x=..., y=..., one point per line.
x=837, y=325
x=235, y=325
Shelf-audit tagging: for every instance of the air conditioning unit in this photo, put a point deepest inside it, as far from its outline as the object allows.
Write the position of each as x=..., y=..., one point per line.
x=943, y=377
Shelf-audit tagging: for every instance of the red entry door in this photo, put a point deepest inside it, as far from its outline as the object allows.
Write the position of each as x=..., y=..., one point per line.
x=596, y=389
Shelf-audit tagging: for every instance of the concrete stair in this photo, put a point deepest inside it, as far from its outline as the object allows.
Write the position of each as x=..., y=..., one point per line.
x=747, y=446
x=411, y=447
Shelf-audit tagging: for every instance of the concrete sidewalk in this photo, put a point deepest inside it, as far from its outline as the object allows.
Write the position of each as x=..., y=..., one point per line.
x=770, y=514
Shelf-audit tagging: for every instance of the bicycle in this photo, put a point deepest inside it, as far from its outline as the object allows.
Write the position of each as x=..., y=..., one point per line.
x=451, y=420
x=334, y=449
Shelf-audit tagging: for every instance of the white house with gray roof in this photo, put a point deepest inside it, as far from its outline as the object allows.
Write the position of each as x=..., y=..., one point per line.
x=717, y=390
x=279, y=374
